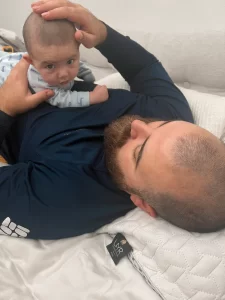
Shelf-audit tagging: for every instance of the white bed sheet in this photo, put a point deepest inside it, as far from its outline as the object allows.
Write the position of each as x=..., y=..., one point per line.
x=78, y=268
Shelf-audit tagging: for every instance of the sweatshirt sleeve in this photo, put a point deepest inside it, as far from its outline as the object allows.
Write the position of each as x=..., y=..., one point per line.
x=127, y=56
x=146, y=76
x=85, y=73
x=67, y=98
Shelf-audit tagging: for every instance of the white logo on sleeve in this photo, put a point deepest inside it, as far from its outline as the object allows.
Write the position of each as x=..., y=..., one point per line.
x=11, y=229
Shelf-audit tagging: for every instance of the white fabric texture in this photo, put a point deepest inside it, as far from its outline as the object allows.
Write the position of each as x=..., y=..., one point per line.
x=178, y=264
x=78, y=268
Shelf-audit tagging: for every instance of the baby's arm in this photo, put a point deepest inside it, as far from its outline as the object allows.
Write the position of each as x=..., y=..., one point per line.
x=67, y=98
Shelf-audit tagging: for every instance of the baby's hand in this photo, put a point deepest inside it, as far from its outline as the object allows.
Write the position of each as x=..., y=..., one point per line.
x=100, y=94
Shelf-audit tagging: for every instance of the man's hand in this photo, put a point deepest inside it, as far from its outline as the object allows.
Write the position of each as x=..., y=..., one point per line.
x=92, y=31
x=15, y=97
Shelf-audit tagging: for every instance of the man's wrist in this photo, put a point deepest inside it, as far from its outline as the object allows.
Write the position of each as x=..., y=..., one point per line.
x=6, y=112
x=105, y=37
x=103, y=33
x=3, y=108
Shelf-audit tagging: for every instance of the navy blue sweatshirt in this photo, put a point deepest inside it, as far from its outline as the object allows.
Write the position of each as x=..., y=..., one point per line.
x=58, y=185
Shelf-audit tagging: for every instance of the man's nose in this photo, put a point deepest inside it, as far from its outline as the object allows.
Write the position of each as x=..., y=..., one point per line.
x=139, y=129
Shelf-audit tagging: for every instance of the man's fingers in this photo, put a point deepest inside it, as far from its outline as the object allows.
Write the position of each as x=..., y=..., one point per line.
x=72, y=14
x=92, y=31
x=39, y=2
x=60, y=13
x=87, y=39
x=21, y=68
x=41, y=7
x=40, y=97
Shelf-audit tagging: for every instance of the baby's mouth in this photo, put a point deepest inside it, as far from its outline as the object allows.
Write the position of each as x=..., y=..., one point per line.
x=64, y=82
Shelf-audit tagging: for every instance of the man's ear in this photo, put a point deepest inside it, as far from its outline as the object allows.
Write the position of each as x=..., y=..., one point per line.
x=28, y=58
x=143, y=205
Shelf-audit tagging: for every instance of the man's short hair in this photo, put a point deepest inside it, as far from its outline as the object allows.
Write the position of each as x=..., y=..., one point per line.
x=38, y=31
x=203, y=212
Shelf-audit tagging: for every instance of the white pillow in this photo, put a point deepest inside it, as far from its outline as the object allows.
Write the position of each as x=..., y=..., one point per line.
x=208, y=110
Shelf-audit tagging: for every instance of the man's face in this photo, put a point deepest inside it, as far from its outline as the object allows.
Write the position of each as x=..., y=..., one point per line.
x=171, y=168
x=58, y=65
x=138, y=152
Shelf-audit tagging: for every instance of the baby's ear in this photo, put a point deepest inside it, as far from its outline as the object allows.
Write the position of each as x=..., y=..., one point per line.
x=28, y=58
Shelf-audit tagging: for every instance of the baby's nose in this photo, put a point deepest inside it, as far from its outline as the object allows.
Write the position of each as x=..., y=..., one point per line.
x=63, y=74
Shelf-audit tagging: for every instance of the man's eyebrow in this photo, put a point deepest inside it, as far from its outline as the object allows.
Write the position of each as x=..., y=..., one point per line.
x=141, y=152
x=166, y=122
x=143, y=145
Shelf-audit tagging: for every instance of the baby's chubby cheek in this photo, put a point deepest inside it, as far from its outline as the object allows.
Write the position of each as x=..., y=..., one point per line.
x=49, y=79
x=74, y=72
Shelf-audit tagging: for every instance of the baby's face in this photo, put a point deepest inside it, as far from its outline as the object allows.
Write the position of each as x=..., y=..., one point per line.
x=58, y=65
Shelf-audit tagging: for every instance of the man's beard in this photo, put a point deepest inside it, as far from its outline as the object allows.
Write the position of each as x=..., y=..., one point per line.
x=116, y=136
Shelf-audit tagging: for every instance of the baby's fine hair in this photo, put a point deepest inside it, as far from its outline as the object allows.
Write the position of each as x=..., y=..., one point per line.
x=37, y=30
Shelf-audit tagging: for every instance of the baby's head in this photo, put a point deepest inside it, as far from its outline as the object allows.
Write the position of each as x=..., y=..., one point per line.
x=52, y=49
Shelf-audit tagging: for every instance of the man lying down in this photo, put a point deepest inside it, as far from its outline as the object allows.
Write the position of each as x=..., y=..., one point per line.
x=72, y=170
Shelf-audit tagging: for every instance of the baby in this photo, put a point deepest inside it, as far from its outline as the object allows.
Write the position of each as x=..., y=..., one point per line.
x=54, y=56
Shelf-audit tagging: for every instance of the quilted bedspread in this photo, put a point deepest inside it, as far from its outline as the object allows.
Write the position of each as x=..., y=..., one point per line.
x=175, y=263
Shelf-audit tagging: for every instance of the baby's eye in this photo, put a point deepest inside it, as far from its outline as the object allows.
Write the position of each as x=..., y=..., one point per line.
x=50, y=67
x=70, y=61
